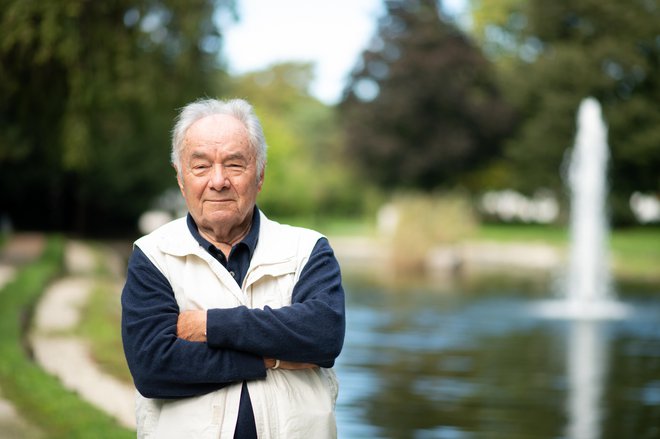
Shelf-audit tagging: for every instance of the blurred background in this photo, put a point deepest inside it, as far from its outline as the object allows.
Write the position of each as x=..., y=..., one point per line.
x=430, y=140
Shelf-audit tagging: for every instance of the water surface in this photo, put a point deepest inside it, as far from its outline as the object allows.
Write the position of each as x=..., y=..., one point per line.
x=449, y=359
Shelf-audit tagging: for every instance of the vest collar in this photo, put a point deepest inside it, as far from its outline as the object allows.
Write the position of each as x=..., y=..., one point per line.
x=273, y=254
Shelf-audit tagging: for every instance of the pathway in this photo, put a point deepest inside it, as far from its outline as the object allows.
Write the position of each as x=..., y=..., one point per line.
x=20, y=250
x=68, y=356
x=57, y=314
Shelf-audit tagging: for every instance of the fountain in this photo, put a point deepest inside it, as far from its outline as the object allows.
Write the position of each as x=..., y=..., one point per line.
x=456, y=355
x=588, y=277
x=589, y=298
x=588, y=290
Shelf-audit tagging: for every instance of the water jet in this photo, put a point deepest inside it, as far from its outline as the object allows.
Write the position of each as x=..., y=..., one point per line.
x=587, y=291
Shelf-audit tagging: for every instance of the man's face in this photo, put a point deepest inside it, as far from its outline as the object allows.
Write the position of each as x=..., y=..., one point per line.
x=218, y=175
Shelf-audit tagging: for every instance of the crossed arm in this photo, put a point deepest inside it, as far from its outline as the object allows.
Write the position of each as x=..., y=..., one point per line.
x=163, y=348
x=191, y=326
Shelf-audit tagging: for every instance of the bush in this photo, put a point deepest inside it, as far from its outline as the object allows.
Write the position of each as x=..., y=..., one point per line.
x=420, y=222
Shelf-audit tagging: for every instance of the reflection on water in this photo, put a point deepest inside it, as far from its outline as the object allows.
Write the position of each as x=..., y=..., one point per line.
x=587, y=361
x=474, y=362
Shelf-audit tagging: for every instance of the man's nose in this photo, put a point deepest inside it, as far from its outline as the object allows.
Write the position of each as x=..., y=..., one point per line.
x=218, y=177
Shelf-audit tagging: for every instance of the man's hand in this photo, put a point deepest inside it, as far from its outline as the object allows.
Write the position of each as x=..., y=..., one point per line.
x=288, y=365
x=191, y=325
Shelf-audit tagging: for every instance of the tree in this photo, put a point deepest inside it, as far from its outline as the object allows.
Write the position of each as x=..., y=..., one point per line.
x=421, y=109
x=304, y=175
x=89, y=91
x=554, y=54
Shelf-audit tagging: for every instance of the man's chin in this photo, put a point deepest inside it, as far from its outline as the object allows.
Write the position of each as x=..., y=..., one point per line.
x=220, y=216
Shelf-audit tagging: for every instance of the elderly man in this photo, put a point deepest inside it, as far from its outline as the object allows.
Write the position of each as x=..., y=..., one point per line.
x=231, y=322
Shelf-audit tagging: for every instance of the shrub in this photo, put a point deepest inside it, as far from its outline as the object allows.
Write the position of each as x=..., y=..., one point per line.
x=422, y=222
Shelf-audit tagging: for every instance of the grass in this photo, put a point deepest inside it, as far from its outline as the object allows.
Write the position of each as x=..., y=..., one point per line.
x=635, y=251
x=553, y=235
x=38, y=396
x=100, y=322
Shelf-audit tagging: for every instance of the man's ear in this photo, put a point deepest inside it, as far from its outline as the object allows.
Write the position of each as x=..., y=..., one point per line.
x=179, y=181
x=260, y=183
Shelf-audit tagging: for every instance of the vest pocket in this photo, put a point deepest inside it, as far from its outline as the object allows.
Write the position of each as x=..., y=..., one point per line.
x=273, y=291
x=147, y=413
x=190, y=418
x=296, y=404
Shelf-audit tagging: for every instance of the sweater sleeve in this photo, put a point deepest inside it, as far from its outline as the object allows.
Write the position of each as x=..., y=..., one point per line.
x=310, y=330
x=162, y=365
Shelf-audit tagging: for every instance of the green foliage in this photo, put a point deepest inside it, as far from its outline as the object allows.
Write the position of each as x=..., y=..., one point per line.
x=89, y=90
x=304, y=174
x=554, y=54
x=39, y=396
x=422, y=108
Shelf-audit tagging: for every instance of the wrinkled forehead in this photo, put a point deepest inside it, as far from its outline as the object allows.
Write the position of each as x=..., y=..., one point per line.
x=217, y=128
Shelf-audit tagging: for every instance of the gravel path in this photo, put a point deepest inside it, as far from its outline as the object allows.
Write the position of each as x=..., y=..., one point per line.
x=67, y=356
x=56, y=350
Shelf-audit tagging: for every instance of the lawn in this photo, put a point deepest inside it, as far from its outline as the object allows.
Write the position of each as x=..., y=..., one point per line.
x=635, y=251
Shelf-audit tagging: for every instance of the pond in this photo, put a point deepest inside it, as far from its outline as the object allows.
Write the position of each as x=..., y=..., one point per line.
x=470, y=359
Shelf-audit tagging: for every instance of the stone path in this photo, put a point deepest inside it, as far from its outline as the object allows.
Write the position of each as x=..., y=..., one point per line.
x=67, y=356
x=56, y=350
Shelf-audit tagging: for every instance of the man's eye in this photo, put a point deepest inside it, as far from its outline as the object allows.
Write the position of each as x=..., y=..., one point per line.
x=197, y=169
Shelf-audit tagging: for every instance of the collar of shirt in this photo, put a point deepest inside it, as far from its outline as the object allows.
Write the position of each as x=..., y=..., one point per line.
x=240, y=254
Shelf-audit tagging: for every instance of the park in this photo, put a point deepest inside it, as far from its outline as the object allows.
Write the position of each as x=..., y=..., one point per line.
x=488, y=183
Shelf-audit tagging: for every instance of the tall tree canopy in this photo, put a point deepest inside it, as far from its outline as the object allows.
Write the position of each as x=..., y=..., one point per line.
x=556, y=53
x=88, y=93
x=304, y=175
x=422, y=108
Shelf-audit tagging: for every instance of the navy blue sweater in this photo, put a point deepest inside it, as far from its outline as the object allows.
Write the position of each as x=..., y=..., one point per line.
x=310, y=330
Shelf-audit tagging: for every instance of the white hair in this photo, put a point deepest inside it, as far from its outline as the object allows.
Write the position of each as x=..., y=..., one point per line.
x=238, y=108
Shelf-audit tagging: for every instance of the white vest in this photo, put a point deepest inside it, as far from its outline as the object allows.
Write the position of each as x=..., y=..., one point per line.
x=287, y=404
